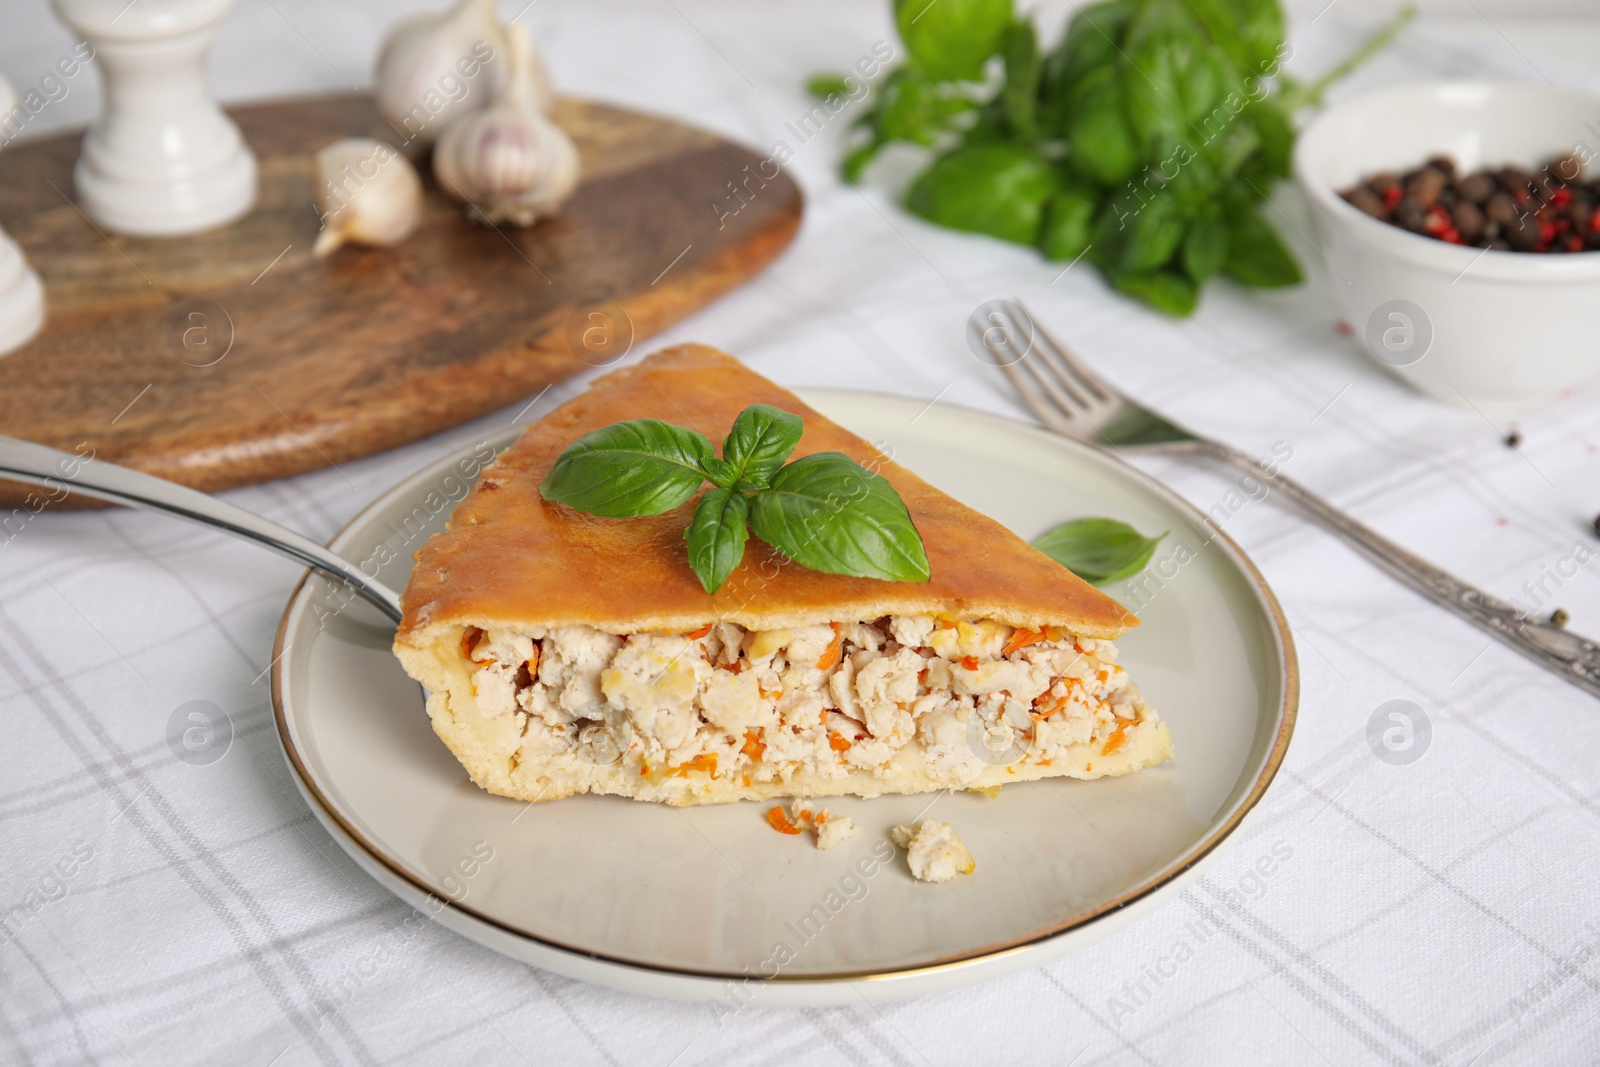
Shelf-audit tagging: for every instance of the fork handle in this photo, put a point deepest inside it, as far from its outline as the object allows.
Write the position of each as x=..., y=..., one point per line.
x=1573, y=657
x=60, y=471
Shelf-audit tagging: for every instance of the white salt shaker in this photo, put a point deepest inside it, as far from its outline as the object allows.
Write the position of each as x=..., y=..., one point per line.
x=21, y=295
x=162, y=159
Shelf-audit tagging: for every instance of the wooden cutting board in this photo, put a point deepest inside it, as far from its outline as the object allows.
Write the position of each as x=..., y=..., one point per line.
x=234, y=357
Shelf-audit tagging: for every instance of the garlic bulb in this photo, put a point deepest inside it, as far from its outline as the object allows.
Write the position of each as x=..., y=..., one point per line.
x=510, y=162
x=368, y=194
x=434, y=69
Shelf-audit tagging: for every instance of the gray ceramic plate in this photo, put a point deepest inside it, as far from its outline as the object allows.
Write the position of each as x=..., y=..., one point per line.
x=676, y=902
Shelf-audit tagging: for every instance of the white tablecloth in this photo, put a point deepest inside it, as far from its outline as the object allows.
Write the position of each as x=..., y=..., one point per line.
x=157, y=912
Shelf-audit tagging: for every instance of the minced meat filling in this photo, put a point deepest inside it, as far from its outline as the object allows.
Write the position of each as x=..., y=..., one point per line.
x=833, y=698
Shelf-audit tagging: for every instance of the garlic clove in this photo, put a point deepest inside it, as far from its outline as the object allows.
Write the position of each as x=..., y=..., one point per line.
x=510, y=163
x=367, y=193
x=525, y=73
x=434, y=69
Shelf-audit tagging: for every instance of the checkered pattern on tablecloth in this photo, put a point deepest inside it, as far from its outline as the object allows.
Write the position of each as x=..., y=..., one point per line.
x=162, y=912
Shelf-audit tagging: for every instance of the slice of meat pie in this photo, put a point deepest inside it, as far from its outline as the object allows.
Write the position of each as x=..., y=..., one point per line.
x=566, y=653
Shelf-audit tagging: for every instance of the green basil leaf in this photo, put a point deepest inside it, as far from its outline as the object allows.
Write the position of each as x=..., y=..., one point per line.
x=828, y=513
x=1099, y=550
x=1099, y=140
x=1069, y=224
x=997, y=189
x=1205, y=250
x=1164, y=290
x=717, y=535
x=914, y=108
x=1172, y=84
x=823, y=86
x=761, y=439
x=721, y=473
x=1250, y=31
x=627, y=469
x=1136, y=235
x=1230, y=148
x=856, y=162
x=1257, y=256
x=951, y=39
x=1020, y=93
x=1187, y=174
x=1276, y=132
x=1091, y=43
x=1161, y=20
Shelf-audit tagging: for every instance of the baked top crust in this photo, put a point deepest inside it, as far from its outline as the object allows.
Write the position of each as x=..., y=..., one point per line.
x=512, y=559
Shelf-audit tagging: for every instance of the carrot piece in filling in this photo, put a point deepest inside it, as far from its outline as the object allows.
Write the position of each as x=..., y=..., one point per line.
x=780, y=822
x=698, y=634
x=833, y=653
x=1022, y=638
x=706, y=761
x=838, y=742
x=1118, y=738
x=754, y=746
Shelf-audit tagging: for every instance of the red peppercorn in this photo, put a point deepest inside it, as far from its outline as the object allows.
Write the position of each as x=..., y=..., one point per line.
x=1521, y=196
x=1561, y=197
x=1574, y=244
x=1392, y=195
x=1594, y=221
x=1547, y=232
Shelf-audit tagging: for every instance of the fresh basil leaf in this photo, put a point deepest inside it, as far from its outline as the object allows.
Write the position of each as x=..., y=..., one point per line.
x=1090, y=43
x=1232, y=148
x=990, y=125
x=1100, y=142
x=952, y=39
x=858, y=159
x=761, y=439
x=1068, y=224
x=1276, y=132
x=1164, y=290
x=1161, y=20
x=1020, y=94
x=912, y=107
x=1205, y=249
x=1172, y=84
x=628, y=469
x=1257, y=256
x=997, y=189
x=1250, y=31
x=1187, y=174
x=721, y=473
x=1136, y=235
x=823, y=86
x=828, y=513
x=1099, y=551
x=717, y=535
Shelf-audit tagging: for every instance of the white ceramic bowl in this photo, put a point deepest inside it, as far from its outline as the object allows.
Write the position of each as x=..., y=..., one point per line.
x=1501, y=330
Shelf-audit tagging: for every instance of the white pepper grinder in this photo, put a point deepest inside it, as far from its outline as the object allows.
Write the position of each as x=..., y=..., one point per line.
x=162, y=159
x=21, y=295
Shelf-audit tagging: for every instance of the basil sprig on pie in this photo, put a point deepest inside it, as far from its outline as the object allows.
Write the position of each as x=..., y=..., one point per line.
x=824, y=511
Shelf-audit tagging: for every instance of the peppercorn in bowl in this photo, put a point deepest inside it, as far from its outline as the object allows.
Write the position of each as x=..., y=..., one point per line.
x=1457, y=221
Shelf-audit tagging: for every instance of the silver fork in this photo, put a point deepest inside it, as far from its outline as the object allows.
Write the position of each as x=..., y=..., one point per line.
x=1073, y=401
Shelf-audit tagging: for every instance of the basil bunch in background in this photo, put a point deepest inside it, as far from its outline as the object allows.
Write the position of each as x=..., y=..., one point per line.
x=824, y=511
x=1145, y=141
